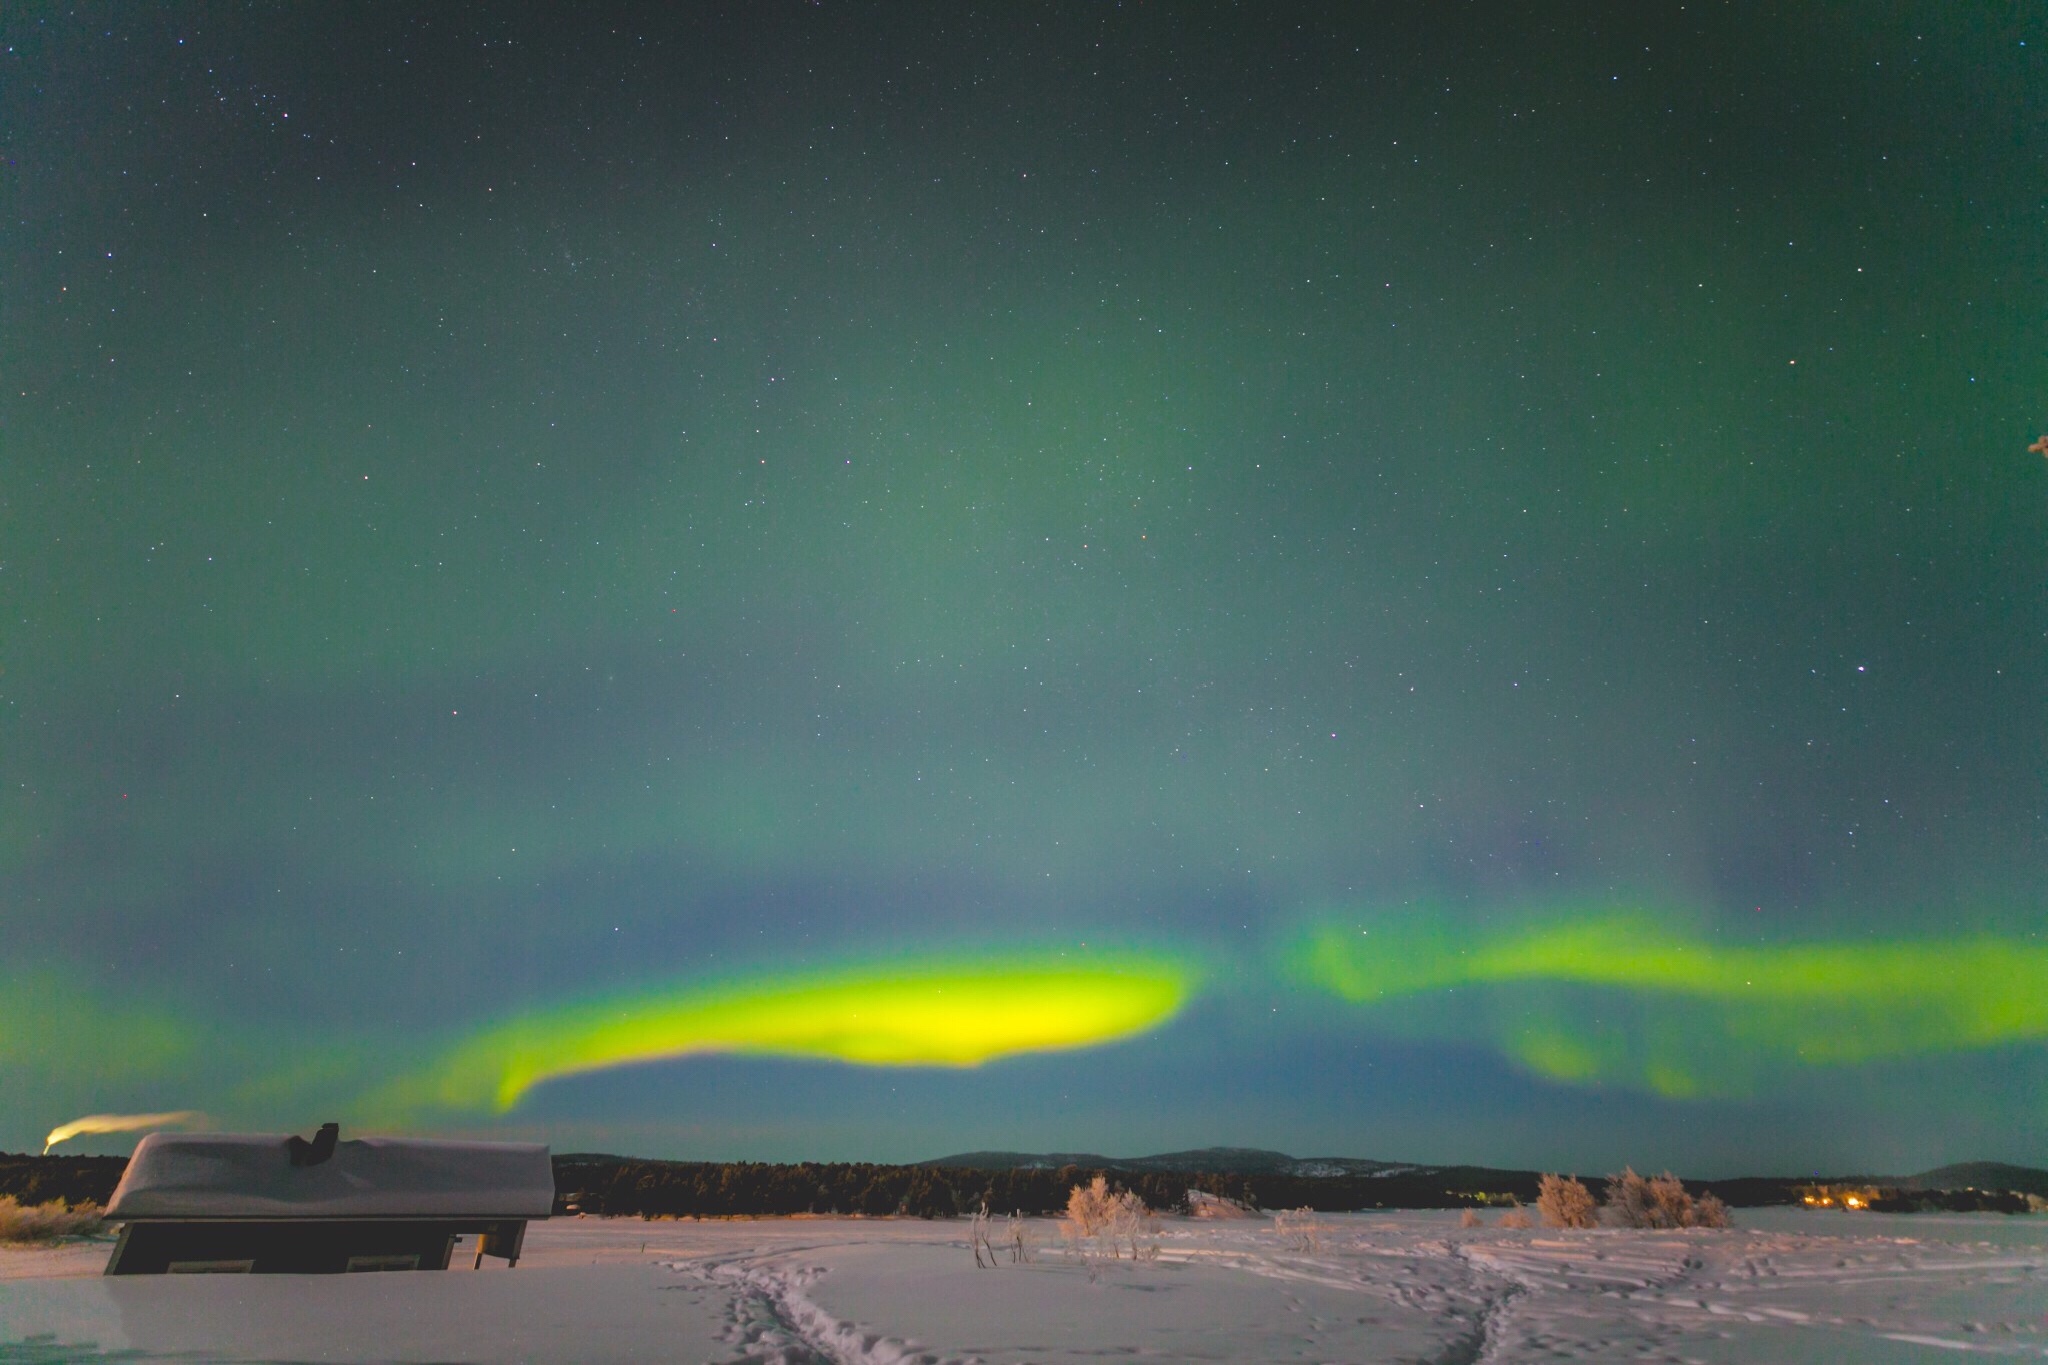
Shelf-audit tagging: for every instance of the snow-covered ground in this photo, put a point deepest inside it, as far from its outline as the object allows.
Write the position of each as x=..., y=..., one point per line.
x=1785, y=1286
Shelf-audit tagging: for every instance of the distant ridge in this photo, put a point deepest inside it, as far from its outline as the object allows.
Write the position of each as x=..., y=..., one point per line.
x=1980, y=1175
x=1211, y=1160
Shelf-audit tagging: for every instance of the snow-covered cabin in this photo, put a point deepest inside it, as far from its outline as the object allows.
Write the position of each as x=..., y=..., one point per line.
x=263, y=1203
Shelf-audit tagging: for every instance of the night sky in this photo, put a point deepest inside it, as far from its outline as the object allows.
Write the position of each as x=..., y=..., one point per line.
x=1435, y=582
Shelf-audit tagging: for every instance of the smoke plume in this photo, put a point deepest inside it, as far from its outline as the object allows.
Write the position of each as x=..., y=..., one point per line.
x=113, y=1123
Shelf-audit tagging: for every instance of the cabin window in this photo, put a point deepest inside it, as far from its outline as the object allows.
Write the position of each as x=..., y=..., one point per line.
x=406, y=1262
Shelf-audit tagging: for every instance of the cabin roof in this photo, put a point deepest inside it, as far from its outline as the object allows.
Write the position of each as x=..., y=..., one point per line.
x=250, y=1175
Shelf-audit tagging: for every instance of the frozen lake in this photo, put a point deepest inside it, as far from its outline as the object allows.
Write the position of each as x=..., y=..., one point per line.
x=1785, y=1286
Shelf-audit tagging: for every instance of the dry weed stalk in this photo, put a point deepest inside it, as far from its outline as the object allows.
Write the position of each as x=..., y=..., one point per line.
x=978, y=1237
x=1018, y=1239
x=51, y=1222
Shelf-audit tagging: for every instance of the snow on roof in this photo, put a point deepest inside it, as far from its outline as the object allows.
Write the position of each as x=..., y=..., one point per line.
x=250, y=1175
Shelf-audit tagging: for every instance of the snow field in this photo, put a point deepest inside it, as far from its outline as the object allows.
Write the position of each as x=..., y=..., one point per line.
x=1788, y=1286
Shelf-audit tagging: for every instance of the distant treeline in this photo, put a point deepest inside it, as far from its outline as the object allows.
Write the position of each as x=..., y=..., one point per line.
x=688, y=1189
x=1888, y=1199
x=31, y=1179
x=691, y=1189
x=1951, y=1201
x=702, y=1189
x=709, y=1189
x=663, y=1189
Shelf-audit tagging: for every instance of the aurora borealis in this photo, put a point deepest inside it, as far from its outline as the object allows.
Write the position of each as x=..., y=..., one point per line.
x=1739, y=1007
x=1453, y=583
x=915, y=1016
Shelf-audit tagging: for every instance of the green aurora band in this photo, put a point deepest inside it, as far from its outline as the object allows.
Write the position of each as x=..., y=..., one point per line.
x=1617, y=997
x=54, y=1029
x=946, y=1014
x=1611, y=997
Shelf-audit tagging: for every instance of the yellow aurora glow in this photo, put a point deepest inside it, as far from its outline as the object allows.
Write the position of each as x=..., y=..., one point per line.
x=1678, y=1014
x=950, y=1015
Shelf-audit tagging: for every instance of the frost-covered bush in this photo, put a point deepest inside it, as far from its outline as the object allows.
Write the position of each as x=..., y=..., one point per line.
x=1632, y=1203
x=1089, y=1207
x=49, y=1222
x=1516, y=1217
x=1299, y=1228
x=1709, y=1212
x=1565, y=1202
x=1099, y=1217
x=1470, y=1219
x=1661, y=1202
x=1132, y=1228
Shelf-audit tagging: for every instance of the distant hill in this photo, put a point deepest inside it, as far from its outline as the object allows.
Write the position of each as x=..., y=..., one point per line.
x=1980, y=1175
x=1231, y=1160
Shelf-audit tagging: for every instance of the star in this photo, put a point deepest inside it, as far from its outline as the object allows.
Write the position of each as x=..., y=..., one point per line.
x=2040, y=447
